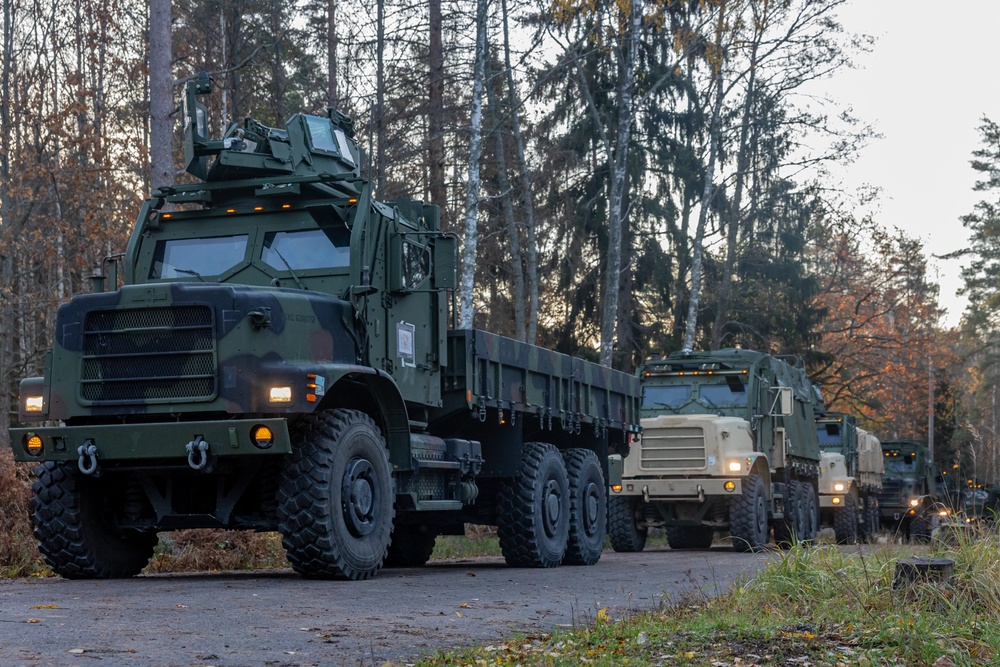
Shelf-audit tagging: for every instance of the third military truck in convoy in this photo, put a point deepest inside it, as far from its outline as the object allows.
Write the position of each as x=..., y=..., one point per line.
x=728, y=444
x=908, y=500
x=850, y=479
x=279, y=357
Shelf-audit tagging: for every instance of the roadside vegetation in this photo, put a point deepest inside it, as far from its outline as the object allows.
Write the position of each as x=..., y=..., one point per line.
x=820, y=606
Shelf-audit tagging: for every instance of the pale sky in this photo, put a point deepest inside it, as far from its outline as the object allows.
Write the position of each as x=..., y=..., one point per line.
x=933, y=74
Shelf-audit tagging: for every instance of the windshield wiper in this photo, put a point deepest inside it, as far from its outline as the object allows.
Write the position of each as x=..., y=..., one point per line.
x=191, y=273
x=289, y=267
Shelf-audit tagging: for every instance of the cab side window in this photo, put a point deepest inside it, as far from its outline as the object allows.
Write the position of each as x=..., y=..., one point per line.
x=416, y=264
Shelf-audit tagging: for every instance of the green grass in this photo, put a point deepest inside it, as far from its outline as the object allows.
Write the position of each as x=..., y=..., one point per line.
x=824, y=606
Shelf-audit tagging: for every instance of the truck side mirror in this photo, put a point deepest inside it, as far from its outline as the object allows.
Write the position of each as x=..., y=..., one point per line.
x=782, y=404
x=445, y=266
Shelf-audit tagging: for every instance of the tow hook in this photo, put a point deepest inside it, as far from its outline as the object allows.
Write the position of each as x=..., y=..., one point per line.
x=87, y=463
x=197, y=451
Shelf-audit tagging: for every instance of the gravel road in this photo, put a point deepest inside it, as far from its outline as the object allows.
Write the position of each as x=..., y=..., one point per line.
x=278, y=618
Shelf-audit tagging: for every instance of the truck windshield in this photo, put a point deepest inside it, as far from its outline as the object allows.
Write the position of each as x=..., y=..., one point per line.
x=900, y=463
x=829, y=434
x=198, y=258
x=670, y=396
x=325, y=248
x=723, y=394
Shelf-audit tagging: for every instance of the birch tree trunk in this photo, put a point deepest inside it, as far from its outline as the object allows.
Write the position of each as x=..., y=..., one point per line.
x=331, y=53
x=513, y=234
x=435, y=110
x=468, y=280
x=380, y=101
x=735, y=209
x=715, y=139
x=161, y=96
x=617, y=216
x=527, y=191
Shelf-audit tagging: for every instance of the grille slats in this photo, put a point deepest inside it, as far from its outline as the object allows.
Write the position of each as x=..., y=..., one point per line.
x=140, y=355
x=673, y=448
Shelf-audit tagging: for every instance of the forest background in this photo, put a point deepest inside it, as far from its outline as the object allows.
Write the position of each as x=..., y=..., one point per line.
x=629, y=178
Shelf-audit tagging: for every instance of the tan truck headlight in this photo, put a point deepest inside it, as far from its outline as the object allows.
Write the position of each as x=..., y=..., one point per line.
x=735, y=466
x=839, y=486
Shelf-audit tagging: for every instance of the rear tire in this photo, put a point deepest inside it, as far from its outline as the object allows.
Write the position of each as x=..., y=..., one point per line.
x=588, y=507
x=335, y=497
x=411, y=546
x=788, y=530
x=920, y=530
x=534, y=509
x=623, y=529
x=74, y=535
x=748, y=516
x=810, y=518
x=690, y=537
x=845, y=522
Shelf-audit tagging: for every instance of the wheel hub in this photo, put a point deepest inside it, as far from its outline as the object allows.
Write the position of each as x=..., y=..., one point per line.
x=359, y=496
x=591, y=505
x=551, y=507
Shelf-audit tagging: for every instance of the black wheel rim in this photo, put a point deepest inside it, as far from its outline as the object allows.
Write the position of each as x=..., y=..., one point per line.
x=551, y=507
x=591, y=508
x=360, y=497
x=760, y=516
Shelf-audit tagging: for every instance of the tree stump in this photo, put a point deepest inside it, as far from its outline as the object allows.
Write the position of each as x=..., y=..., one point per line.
x=911, y=570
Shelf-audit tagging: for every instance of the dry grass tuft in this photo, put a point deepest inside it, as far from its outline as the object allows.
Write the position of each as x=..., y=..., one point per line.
x=216, y=550
x=18, y=554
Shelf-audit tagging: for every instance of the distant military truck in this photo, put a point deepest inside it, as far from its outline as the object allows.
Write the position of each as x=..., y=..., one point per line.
x=851, y=478
x=908, y=499
x=279, y=358
x=728, y=444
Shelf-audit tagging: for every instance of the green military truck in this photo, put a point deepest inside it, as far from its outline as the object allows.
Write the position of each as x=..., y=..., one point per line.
x=851, y=478
x=278, y=357
x=907, y=503
x=728, y=444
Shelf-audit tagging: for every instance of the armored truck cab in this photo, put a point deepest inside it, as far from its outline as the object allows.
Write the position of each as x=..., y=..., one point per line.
x=728, y=443
x=851, y=478
x=908, y=498
x=279, y=357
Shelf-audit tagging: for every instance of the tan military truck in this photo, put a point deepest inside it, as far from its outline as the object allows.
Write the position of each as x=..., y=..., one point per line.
x=850, y=478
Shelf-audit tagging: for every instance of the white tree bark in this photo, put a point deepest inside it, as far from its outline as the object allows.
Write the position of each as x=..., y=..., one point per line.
x=468, y=279
x=161, y=96
x=617, y=215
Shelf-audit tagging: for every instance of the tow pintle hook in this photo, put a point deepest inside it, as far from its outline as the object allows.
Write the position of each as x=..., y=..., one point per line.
x=87, y=463
x=197, y=451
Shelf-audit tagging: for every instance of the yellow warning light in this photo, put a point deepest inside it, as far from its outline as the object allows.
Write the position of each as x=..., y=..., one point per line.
x=262, y=436
x=33, y=444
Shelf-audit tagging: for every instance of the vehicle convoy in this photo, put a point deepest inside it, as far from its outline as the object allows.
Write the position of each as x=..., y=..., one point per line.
x=908, y=501
x=851, y=478
x=278, y=357
x=728, y=443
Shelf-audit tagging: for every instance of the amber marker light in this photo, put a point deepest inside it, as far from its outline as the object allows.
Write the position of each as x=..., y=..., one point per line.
x=836, y=501
x=262, y=437
x=617, y=488
x=286, y=206
x=258, y=208
x=33, y=444
x=352, y=201
x=230, y=210
x=730, y=485
x=167, y=216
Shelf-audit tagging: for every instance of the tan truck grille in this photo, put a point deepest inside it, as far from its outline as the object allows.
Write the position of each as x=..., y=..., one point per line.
x=673, y=448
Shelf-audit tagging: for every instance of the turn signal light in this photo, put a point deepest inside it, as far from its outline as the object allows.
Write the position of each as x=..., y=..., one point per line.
x=836, y=501
x=262, y=437
x=730, y=485
x=617, y=488
x=33, y=444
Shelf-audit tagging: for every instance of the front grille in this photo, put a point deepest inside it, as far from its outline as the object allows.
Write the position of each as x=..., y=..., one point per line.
x=148, y=355
x=673, y=448
x=892, y=492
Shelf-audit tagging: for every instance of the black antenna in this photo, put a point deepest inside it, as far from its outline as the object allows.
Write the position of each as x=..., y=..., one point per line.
x=371, y=154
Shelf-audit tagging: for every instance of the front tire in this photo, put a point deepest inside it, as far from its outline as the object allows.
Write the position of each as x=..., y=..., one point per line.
x=588, y=507
x=810, y=507
x=748, y=516
x=73, y=533
x=335, y=497
x=623, y=528
x=533, y=517
x=845, y=522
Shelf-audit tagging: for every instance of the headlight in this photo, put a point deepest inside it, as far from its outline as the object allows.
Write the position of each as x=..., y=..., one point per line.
x=281, y=395
x=34, y=403
x=838, y=486
x=914, y=502
x=735, y=466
